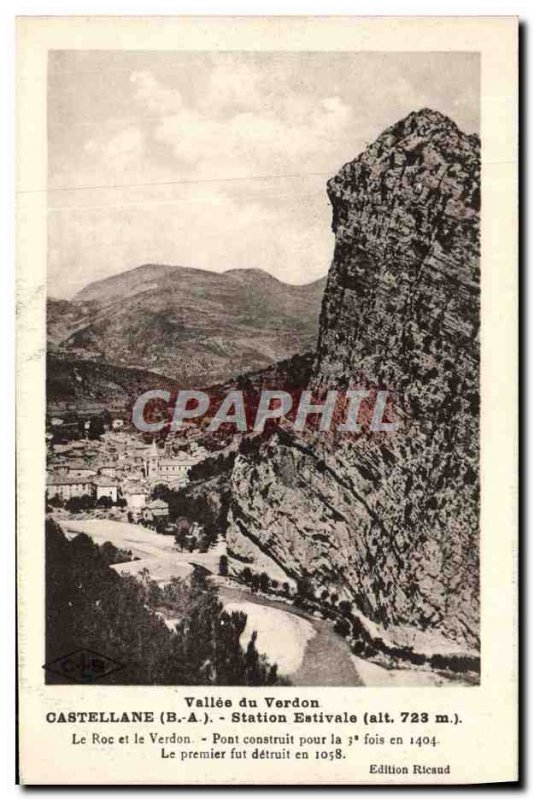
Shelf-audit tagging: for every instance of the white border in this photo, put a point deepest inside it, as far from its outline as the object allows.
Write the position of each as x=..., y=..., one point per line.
x=7, y=12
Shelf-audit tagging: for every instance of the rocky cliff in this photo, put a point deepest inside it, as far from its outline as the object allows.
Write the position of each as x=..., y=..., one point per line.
x=388, y=521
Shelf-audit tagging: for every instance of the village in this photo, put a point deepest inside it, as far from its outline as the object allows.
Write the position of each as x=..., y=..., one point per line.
x=112, y=469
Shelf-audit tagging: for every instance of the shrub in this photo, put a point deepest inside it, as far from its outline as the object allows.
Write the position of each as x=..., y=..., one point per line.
x=75, y=504
x=304, y=587
x=246, y=575
x=104, y=502
x=344, y=607
x=342, y=626
x=56, y=501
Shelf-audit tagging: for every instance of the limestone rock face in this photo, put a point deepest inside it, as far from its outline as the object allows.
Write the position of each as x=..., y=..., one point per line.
x=389, y=520
x=401, y=303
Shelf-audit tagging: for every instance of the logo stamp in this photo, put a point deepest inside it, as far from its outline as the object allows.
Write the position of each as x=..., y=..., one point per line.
x=83, y=666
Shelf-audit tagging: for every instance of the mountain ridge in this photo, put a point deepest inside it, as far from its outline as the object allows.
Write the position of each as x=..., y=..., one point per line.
x=194, y=326
x=161, y=271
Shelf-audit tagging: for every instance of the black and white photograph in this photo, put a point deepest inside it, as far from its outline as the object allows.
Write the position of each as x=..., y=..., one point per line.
x=266, y=411
x=262, y=416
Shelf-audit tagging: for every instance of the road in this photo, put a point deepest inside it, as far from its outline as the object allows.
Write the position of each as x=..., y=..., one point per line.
x=155, y=551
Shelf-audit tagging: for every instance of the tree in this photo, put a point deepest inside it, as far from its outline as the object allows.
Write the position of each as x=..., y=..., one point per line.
x=96, y=428
x=161, y=492
x=180, y=539
x=304, y=587
x=345, y=608
x=74, y=504
x=264, y=582
x=79, y=503
x=114, y=555
x=106, y=418
x=104, y=502
x=342, y=626
x=89, y=605
x=252, y=661
x=160, y=524
x=223, y=566
x=56, y=501
x=246, y=575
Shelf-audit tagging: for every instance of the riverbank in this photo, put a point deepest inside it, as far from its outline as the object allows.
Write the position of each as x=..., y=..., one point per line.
x=306, y=648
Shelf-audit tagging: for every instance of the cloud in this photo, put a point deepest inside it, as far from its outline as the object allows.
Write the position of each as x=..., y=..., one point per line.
x=157, y=98
x=119, y=150
x=239, y=122
x=232, y=87
x=232, y=132
x=164, y=132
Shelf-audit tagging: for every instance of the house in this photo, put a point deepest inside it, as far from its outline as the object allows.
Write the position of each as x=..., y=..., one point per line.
x=174, y=467
x=80, y=469
x=108, y=469
x=192, y=536
x=157, y=509
x=65, y=487
x=136, y=499
x=106, y=487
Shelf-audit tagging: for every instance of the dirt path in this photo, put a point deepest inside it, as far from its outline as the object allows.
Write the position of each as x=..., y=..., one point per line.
x=157, y=552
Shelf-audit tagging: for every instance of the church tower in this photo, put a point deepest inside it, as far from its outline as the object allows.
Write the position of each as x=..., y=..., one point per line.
x=152, y=461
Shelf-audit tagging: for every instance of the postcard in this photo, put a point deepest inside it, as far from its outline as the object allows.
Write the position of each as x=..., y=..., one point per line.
x=267, y=400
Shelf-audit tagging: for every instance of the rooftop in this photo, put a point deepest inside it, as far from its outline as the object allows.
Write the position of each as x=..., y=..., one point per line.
x=158, y=504
x=62, y=480
x=103, y=480
x=79, y=465
x=178, y=460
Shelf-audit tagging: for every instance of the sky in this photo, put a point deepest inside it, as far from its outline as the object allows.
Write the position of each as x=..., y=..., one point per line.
x=220, y=160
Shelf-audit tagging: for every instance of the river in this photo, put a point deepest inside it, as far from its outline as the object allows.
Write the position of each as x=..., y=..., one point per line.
x=306, y=649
